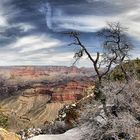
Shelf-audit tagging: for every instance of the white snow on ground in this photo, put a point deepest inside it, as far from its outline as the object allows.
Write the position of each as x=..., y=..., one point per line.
x=73, y=134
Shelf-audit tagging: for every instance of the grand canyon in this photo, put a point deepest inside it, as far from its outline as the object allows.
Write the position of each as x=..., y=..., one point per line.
x=69, y=69
x=33, y=95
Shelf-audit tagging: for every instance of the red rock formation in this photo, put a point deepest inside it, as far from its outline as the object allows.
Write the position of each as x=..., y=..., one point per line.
x=26, y=71
x=73, y=90
x=35, y=71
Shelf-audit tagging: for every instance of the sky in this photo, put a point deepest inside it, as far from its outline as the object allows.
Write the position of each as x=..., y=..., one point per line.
x=31, y=30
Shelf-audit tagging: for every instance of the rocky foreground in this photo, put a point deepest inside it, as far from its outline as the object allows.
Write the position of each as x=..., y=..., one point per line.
x=91, y=122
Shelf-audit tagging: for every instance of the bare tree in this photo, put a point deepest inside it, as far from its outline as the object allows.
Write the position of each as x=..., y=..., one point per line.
x=114, y=50
x=116, y=44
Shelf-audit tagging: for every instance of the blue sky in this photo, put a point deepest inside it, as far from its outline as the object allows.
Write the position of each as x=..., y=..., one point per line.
x=31, y=30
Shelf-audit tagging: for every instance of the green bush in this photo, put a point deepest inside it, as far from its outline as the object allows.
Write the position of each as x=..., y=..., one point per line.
x=132, y=68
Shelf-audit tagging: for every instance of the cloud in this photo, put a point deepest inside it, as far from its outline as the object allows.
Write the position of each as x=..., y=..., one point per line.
x=131, y=20
x=25, y=27
x=90, y=20
x=8, y=29
x=34, y=43
x=3, y=21
x=29, y=29
x=28, y=50
x=39, y=58
x=84, y=23
x=3, y=15
x=38, y=50
x=7, y=11
x=49, y=16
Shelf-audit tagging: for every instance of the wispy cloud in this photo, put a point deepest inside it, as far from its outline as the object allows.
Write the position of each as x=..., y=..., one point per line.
x=25, y=27
x=30, y=50
x=30, y=29
x=35, y=42
x=128, y=16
